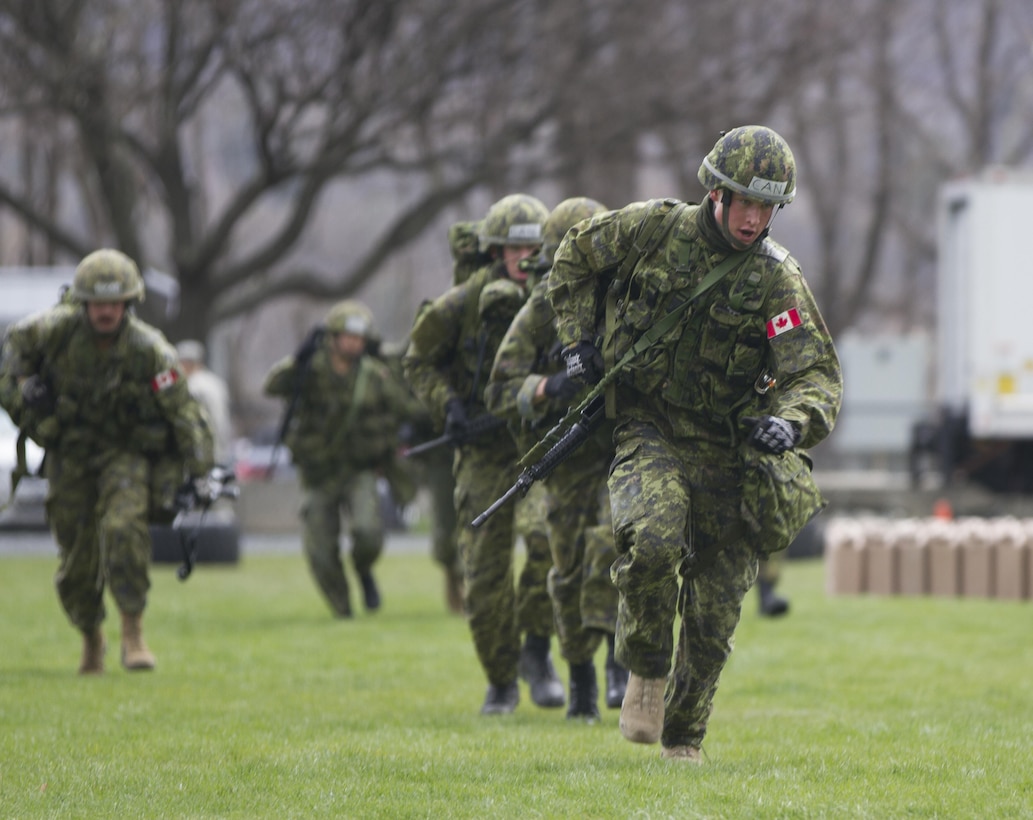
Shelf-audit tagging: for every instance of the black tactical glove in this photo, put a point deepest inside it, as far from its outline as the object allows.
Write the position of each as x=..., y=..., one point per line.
x=584, y=363
x=456, y=422
x=559, y=386
x=205, y=489
x=37, y=395
x=772, y=434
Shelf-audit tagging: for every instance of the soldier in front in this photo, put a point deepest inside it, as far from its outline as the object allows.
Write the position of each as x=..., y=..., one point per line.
x=744, y=365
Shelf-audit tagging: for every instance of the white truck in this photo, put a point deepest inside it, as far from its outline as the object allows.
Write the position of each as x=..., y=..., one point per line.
x=984, y=345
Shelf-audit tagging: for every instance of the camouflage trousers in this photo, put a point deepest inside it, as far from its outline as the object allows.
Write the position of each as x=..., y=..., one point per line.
x=97, y=511
x=437, y=478
x=580, y=532
x=321, y=509
x=498, y=609
x=676, y=504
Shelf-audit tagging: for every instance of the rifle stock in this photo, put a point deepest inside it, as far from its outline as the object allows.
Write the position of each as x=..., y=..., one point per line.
x=563, y=448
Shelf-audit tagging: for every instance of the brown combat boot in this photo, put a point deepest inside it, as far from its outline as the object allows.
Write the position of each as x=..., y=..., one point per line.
x=686, y=754
x=642, y=715
x=454, y=591
x=93, y=648
x=135, y=654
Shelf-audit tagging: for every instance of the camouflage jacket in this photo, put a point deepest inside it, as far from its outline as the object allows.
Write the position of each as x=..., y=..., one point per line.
x=130, y=397
x=528, y=354
x=454, y=340
x=711, y=370
x=342, y=424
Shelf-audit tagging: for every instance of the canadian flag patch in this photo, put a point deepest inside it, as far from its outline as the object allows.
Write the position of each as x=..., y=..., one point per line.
x=166, y=378
x=786, y=320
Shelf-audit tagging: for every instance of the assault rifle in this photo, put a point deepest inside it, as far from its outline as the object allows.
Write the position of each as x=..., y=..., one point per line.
x=302, y=361
x=200, y=494
x=539, y=466
x=479, y=427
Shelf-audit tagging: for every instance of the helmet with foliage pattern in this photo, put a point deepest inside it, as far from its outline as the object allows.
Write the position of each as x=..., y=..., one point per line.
x=753, y=161
x=107, y=275
x=350, y=316
x=564, y=217
x=516, y=219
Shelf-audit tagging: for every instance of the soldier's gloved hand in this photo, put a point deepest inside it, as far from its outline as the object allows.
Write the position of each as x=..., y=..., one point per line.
x=560, y=386
x=584, y=363
x=36, y=395
x=772, y=434
x=456, y=422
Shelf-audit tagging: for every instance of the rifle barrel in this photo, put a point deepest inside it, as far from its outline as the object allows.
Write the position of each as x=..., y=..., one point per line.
x=497, y=504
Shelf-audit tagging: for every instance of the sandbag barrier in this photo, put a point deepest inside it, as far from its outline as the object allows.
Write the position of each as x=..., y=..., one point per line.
x=970, y=557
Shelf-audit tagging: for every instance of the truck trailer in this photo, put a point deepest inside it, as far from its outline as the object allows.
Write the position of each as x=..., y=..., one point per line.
x=982, y=431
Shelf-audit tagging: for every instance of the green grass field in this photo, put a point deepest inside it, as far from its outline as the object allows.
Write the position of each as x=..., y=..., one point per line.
x=264, y=706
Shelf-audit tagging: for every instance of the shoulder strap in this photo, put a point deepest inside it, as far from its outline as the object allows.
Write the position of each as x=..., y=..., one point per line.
x=652, y=232
x=665, y=324
x=359, y=394
x=645, y=341
x=357, y=397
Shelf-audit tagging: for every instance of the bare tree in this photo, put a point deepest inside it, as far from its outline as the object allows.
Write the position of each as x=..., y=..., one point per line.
x=182, y=127
x=212, y=138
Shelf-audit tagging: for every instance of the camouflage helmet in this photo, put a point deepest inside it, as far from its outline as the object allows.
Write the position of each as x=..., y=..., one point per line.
x=754, y=161
x=107, y=275
x=350, y=316
x=516, y=219
x=564, y=217
x=500, y=300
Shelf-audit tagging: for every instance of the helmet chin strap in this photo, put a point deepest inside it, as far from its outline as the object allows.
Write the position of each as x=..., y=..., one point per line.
x=726, y=206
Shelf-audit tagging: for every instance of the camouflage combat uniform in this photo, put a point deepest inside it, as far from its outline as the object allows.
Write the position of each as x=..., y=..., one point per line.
x=681, y=410
x=452, y=346
x=577, y=504
x=343, y=436
x=433, y=472
x=123, y=428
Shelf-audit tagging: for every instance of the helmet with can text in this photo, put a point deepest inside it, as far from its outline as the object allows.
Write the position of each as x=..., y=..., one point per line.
x=350, y=316
x=754, y=161
x=516, y=219
x=107, y=275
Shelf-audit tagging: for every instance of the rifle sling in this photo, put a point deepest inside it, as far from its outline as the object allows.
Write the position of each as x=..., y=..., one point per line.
x=645, y=341
x=667, y=323
x=654, y=228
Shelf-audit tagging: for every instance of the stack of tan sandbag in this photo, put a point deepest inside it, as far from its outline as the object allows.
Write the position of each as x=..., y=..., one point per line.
x=967, y=556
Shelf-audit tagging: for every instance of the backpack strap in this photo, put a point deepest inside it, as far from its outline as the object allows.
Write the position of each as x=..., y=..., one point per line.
x=650, y=234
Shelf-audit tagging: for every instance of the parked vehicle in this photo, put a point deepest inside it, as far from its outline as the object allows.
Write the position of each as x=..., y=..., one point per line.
x=26, y=510
x=983, y=429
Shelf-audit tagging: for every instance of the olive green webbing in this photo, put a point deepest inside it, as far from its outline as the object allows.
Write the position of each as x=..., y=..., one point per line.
x=645, y=341
x=654, y=228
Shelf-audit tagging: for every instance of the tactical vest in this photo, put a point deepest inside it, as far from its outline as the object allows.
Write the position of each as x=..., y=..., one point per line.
x=709, y=363
x=104, y=399
x=478, y=342
x=342, y=422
